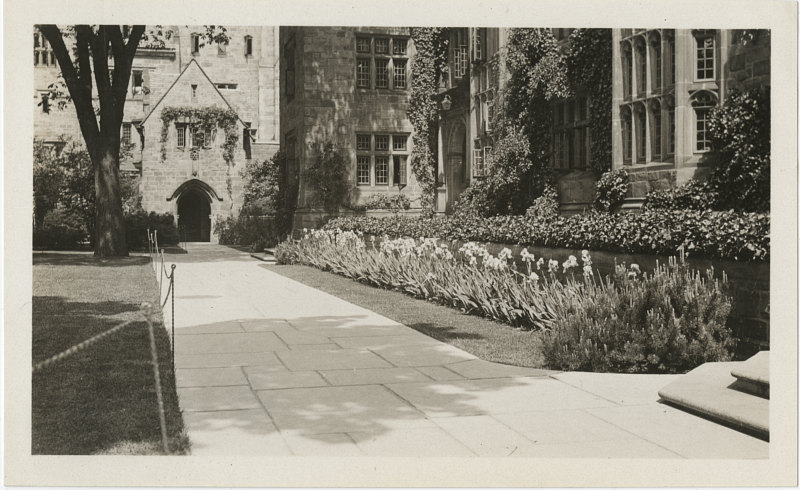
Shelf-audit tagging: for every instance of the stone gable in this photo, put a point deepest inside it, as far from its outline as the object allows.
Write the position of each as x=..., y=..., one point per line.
x=161, y=178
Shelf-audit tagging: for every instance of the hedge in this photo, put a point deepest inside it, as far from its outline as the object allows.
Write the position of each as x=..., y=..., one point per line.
x=712, y=234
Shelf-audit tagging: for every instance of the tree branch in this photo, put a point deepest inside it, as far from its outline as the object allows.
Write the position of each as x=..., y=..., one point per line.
x=79, y=91
x=108, y=111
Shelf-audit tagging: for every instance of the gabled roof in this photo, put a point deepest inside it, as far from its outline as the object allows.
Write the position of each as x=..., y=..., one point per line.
x=164, y=95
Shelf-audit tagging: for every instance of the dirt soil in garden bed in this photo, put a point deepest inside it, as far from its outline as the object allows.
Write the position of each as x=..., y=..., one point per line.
x=100, y=399
x=486, y=339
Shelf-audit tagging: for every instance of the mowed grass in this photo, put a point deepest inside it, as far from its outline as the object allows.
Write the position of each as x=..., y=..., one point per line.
x=101, y=399
x=484, y=338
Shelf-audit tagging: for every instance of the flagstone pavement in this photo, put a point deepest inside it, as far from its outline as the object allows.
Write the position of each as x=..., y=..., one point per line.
x=268, y=366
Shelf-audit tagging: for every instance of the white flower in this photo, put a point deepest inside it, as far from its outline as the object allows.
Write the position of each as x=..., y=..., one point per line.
x=534, y=276
x=587, y=270
x=569, y=263
x=635, y=268
x=473, y=261
x=552, y=266
x=539, y=264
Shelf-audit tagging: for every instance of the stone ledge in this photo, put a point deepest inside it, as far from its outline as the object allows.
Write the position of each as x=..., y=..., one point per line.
x=707, y=391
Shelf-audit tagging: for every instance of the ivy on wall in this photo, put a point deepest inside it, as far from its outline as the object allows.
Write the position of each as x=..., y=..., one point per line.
x=427, y=66
x=206, y=119
x=589, y=71
x=537, y=71
x=542, y=72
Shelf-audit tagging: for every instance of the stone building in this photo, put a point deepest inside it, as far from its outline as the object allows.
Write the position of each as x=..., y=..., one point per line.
x=303, y=87
x=476, y=75
x=348, y=86
x=665, y=82
x=193, y=180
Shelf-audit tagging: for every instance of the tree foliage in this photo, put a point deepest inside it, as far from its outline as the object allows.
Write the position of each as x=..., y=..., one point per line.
x=328, y=177
x=101, y=57
x=740, y=142
x=740, y=157
x=261, y=187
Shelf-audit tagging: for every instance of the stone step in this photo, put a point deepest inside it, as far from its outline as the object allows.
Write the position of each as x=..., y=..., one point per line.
x=753, y=375
x=708, y=391
x=264, y=257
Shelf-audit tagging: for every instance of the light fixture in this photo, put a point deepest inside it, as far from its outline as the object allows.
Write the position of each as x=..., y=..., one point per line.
x=446, y=103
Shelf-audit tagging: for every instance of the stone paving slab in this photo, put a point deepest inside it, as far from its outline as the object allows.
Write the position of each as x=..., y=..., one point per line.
x=263, y=325
x=480, y=397
x=439, y=373
x=632, y=449
x=384, y=341
x=373, y=376
x=216, y=343
x=314, y=347
x=217, y=398
x=339, y=445
x=234, y=433
x=424, y=442
x=331, y=359
x=340, y=409
x=563, y=427
x=261, y=379
x=226, y=359
x=224, y=327
x=291, y=336
x=625, y=389
x=422, y=354
x=222, y=376
x=480, y=369
x=484, y=435
x=683, y=433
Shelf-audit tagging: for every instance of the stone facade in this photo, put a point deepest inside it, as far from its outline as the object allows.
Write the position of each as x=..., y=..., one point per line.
x=665, y=81
x=185, y=72
x=321, y=102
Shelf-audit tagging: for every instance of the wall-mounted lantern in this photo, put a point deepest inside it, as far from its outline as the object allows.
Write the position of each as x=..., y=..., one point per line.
x=447, y=103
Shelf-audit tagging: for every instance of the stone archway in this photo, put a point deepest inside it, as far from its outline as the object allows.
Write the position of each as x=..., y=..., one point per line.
x=456, y=163
x=194, y=215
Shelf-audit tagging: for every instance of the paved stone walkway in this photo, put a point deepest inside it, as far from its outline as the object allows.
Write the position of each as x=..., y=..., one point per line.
x=268, y=366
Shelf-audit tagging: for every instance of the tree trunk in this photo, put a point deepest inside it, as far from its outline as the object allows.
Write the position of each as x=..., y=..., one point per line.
x=109, y=222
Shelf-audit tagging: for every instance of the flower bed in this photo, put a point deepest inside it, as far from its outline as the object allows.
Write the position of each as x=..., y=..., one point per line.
x=724, y=235
x=667, y=321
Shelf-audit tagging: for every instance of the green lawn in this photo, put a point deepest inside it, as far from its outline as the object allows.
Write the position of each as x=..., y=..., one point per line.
x=479, y=336
x=102, y=399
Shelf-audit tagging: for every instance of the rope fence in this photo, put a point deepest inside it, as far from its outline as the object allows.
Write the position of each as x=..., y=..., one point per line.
x=156, y=258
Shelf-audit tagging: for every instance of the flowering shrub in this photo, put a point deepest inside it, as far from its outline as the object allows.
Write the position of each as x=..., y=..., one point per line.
x=665, y=322
x=649, y=316
x=725, y=235
x=610, y=189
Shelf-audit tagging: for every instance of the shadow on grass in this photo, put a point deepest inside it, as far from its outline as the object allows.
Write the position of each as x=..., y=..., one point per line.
x=443, y=333
x=74, y=258
x=100, y=399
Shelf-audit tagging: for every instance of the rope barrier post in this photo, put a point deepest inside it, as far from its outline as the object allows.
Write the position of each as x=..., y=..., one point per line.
x=146, y=310
x=172, y=280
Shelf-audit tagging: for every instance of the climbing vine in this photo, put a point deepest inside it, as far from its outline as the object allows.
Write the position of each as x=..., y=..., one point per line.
x=542, y=72
x=207, y=120
x=589, y=72
x=427, y=66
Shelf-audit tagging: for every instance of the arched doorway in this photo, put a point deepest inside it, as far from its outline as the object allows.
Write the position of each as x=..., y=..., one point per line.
x=194, y=216
x=456, y=164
